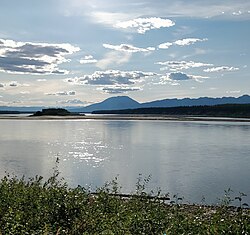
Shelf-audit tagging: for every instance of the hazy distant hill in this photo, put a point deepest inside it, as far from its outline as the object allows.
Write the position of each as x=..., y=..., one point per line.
x=245, y=99
x=125, y=102
x=113, y=103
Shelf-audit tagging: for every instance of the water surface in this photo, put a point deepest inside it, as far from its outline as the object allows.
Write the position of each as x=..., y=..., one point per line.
x=193, y=159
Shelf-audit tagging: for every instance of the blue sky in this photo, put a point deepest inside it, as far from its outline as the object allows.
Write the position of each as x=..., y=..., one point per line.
x=76, y=52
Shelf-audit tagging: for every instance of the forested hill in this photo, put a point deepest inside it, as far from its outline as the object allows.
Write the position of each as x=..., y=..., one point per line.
x=226, y=110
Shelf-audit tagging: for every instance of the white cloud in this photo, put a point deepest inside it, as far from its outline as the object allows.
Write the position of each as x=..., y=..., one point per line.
x=221, y=69
x=237, y=13
x=188, y=41
x=108, y=18
x=13, y=84
x=113, y=81
x=113, y=58
x=178, y=76
x=25, y=92
x=33, y=58
x=113, y=77
x=233, y=92
x=71, y=102
x=145, y=24
x=128, y=48
x=181, y=42
x=71, y=93
x=174, y=77
x=165, y=45
x=180, y=65
x=88, y=59
x=70, y=80
x=62, y=93
x=118, y=89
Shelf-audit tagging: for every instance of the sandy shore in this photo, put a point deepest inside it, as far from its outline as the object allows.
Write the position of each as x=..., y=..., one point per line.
x=127, y=117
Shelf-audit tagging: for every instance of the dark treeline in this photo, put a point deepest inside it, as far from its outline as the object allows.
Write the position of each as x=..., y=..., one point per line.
x=226, y=110
x=9, y=112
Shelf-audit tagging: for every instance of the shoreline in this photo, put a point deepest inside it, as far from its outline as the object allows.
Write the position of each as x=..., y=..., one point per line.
x=128, y=117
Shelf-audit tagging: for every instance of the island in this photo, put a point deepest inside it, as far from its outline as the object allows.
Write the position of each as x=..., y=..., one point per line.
x=53, y=112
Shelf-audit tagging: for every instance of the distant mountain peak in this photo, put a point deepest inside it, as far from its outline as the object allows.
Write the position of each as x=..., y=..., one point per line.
x=112, y=103
x=119, y=99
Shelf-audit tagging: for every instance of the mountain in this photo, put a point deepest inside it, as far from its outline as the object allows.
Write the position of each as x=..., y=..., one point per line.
x=245, y=99
x=125, y=102
x=113, y=103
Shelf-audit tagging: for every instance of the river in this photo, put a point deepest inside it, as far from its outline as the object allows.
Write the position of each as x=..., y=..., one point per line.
x=195, y=160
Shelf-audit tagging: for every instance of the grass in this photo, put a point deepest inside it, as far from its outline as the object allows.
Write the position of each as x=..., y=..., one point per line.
x=36, y=206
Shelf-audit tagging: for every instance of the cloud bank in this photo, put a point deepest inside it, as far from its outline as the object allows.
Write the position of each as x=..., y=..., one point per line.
x=181, y=65
x=113, y=81
x=175, y=77
x=33, y=58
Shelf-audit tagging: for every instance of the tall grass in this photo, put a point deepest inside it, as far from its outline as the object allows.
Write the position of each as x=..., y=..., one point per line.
x=38, y=206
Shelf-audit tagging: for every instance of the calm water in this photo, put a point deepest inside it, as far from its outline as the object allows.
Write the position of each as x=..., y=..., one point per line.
x=193, y=159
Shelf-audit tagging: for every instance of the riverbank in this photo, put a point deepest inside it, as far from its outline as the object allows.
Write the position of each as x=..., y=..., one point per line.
x=36, y=206
x=127, y=117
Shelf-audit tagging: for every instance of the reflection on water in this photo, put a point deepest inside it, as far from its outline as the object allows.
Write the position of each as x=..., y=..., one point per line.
x=193, y=159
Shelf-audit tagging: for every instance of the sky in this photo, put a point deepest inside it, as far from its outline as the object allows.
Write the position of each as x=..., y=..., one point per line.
x=79, y=52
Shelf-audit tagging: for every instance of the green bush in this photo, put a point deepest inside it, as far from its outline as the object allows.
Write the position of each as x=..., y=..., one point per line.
x=35, y=206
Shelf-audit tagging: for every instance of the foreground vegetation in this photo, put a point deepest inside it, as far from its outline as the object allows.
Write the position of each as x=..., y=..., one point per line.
x=36, y=206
